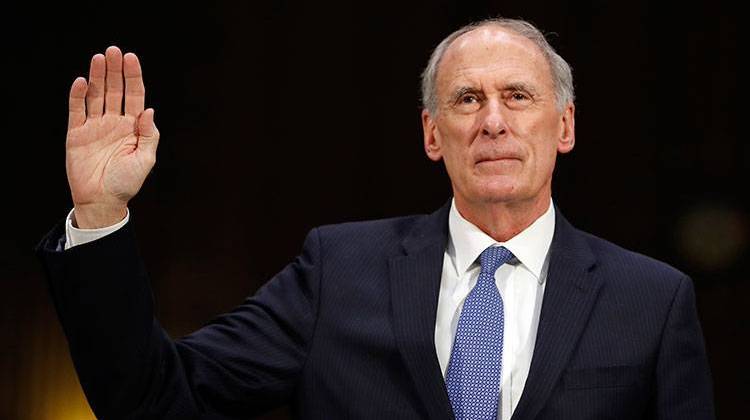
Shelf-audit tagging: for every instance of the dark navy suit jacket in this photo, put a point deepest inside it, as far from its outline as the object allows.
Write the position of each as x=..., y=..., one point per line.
x=347, y=331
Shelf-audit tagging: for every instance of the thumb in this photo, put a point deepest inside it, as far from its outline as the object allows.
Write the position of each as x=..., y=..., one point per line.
x=148, y=134
x=146, y=126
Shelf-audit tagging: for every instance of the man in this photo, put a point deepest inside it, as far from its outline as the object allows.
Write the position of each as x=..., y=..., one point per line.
x=493, y=306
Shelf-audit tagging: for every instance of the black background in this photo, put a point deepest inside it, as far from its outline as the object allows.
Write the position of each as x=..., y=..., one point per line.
x=278, y=117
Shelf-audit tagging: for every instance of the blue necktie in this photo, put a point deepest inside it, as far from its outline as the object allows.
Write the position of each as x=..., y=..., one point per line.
x=473, y=377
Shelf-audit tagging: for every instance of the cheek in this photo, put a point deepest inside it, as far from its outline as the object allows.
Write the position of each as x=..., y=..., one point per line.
x=455, y=141
x=545, y=157
x=456, y=162
x=539, y=136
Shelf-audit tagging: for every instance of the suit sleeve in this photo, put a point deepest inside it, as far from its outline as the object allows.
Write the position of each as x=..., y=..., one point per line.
x=244, y=362
x=683, y=378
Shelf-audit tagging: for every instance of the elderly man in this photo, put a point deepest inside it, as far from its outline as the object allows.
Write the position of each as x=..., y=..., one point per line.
x=492, y=307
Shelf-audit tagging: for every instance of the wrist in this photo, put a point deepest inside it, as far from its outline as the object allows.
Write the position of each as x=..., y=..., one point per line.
x=95, y=216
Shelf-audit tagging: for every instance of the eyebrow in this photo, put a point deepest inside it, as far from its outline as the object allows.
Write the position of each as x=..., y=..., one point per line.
x=461, y=91
x=524, y=87
x=513, y=86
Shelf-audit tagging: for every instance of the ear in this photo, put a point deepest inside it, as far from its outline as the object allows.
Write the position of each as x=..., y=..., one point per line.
x=431, y=139
x=567, y=130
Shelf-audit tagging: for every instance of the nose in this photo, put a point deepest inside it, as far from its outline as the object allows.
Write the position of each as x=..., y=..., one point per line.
x=493, y=123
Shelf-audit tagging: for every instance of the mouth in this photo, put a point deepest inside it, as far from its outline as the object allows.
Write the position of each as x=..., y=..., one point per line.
x=504, y=165
x=498, y=160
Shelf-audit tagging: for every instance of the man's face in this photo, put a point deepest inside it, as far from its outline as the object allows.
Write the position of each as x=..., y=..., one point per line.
x=498, y=127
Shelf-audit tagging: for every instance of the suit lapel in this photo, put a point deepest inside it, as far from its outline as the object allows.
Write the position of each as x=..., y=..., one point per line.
x=569, y=295
x=415, y=285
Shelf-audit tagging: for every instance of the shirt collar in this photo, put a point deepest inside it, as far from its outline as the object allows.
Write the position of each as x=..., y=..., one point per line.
x=530, y=246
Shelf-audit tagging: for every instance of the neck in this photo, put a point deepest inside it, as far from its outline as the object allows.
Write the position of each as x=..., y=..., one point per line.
x=502, y=220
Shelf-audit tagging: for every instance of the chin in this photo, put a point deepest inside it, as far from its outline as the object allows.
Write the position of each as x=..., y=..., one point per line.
x=498, y=191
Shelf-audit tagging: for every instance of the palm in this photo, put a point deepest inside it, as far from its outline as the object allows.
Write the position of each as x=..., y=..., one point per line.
x=108, y=153
x=103, y=159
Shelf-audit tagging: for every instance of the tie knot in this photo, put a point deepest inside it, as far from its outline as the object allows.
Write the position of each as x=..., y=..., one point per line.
x=493, y=257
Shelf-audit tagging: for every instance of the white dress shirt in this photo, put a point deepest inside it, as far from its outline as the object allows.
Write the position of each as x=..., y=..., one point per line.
x=521, y=285
x=75, y=236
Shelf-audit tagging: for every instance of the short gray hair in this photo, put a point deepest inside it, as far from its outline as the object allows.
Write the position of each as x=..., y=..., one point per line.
x=562, y=76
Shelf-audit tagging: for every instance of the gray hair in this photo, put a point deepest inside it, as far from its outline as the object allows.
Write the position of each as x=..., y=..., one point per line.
x=562, y=76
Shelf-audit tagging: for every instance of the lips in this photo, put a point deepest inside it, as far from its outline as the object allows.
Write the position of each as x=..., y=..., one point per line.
x=495, y=156
x=496, y=159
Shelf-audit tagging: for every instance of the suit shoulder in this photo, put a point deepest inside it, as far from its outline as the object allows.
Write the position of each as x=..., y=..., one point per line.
x=613, y=257
x=387, y=229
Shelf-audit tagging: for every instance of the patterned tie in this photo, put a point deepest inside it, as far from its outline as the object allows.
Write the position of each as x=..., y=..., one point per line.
x=473, y=377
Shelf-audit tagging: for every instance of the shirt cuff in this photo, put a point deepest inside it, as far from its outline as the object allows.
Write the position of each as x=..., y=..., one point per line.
x=75, y=236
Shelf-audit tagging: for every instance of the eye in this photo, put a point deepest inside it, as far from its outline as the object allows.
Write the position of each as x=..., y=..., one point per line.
x=469, y=98
x=518, y=99
x=519, y=96
x=467, y=101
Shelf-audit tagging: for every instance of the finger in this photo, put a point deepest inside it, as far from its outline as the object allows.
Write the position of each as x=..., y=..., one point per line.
x=95, y=94
x=135, y=92
x=77, y=103
x=113, y=84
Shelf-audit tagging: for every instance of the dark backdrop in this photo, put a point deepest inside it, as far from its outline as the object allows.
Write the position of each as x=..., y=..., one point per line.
x=279, y=117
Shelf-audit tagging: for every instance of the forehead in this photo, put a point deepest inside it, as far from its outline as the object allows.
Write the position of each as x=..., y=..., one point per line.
x=491, y=53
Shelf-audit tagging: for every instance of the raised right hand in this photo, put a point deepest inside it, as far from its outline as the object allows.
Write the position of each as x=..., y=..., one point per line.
x=108, y=153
